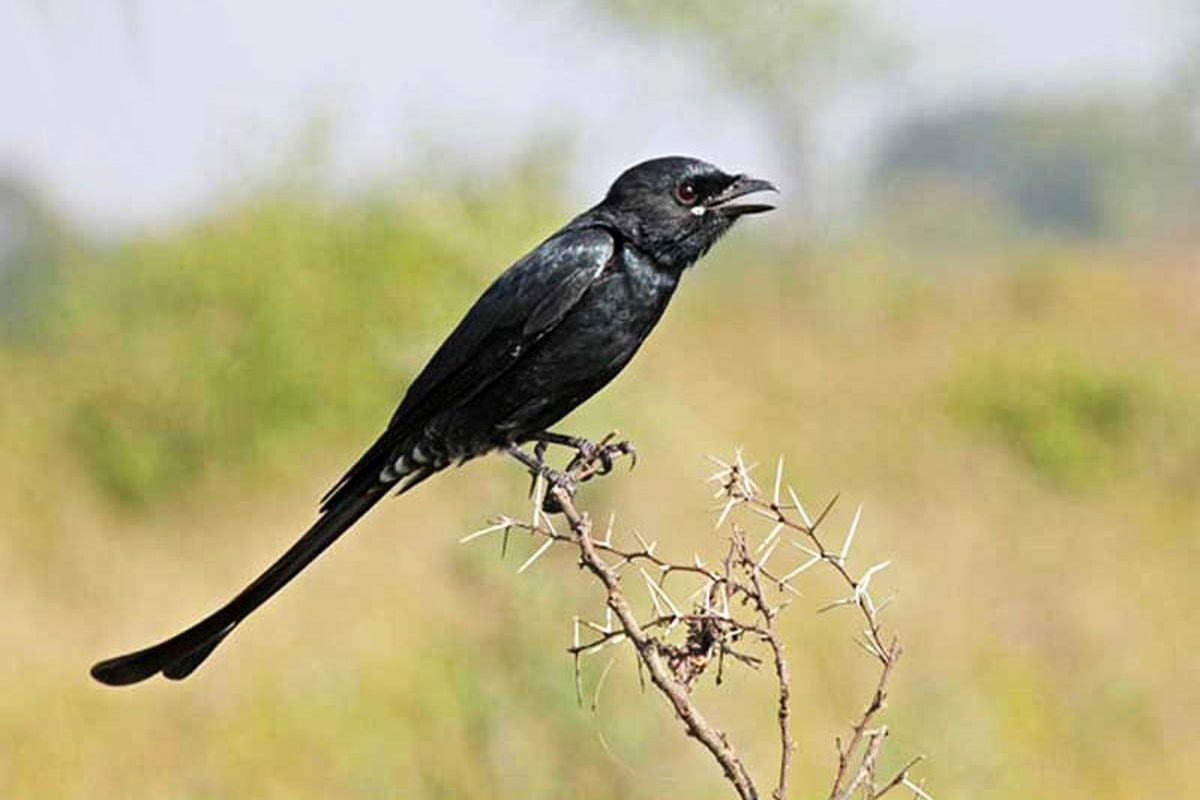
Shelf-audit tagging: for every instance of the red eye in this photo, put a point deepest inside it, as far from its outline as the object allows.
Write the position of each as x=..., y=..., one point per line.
x=686, y=192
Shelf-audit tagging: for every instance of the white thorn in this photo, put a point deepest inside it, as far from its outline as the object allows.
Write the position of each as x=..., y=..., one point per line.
x=536, y=555
x=771, y=536
x=845, y=601
x=799, y=507
x=861, y=586
x=538, y=497
x=762, y=512
x=778, y=480
x=620, y=637
x=806, y=549
x=800, y=568
x=763, y=561
x=719, y=462
x=719, y=475
x=865, y=644
x=658, y=609
x=656, y=590
x=725, y=512
x=506, y=523
x=648, y=547
x=850, y=535
x=916, y=789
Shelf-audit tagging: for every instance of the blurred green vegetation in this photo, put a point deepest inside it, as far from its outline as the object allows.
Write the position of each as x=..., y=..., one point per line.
x=209, y=344
x=1024, y=439
x=1068, y=419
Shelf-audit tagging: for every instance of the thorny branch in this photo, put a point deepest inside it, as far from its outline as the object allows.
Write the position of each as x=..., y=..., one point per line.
x=732, y=608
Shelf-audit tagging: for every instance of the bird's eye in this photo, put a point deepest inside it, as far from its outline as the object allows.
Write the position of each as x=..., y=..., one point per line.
x=686, y=192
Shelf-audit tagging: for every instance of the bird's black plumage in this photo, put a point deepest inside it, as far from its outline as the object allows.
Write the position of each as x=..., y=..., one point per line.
x=549, y=333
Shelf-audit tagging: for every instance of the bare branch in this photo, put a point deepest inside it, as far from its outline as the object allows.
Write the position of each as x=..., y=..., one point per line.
x=732, y=608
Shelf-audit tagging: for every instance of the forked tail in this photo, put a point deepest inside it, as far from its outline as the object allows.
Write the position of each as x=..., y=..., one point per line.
x=178, y=656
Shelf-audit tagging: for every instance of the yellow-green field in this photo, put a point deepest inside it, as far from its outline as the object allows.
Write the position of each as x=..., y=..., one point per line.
x=1024, y=434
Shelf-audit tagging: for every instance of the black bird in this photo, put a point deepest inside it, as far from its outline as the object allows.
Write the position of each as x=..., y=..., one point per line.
x=549, y=333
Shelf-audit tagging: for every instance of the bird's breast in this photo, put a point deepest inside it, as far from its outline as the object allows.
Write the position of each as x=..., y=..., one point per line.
x=625, y=303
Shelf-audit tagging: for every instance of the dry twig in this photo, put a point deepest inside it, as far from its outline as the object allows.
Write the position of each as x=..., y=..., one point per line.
x=732, y=609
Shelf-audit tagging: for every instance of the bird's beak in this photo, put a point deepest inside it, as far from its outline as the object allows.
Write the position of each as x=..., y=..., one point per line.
x=742, y=185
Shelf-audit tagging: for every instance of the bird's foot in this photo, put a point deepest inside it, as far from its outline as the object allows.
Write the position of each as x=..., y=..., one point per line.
x=591, y=458
x=539, y=469
x=597, y=458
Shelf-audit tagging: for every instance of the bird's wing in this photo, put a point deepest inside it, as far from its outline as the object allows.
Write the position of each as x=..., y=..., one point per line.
x=521, y=306
x=517, y=310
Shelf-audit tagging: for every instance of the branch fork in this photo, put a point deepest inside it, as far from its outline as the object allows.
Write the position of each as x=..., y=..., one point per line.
x=738, y=603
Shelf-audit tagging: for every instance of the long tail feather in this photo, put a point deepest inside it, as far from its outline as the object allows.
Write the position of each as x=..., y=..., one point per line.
x=178, y=656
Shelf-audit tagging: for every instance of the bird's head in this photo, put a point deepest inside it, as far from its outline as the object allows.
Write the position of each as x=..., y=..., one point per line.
x=675, y=208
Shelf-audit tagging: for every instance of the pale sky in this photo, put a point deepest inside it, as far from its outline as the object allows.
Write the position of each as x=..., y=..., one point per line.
x=134, y=112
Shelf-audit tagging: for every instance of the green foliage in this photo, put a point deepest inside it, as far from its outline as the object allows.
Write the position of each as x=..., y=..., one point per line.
x=224, y=340
x=1068, y=419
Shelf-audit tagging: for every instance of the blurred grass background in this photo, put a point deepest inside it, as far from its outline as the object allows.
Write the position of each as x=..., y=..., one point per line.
x=998, y=357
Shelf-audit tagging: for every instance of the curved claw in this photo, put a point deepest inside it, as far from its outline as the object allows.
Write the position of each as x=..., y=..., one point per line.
x=624, y=448
x=628, y=449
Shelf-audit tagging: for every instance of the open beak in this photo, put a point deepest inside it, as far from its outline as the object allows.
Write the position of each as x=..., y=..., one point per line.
x=742, y=185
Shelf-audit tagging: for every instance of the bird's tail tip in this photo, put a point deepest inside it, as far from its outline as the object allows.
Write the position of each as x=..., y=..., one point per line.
x=166, y=658
x=122, y=671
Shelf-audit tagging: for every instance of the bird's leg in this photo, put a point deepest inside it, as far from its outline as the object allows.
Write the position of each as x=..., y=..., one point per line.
x=577, y=443
x=537, y=467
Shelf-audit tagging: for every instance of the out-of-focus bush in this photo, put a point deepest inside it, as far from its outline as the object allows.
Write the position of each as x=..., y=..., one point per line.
x=285, y=314
x=1068, y=419
x=1074, y=421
